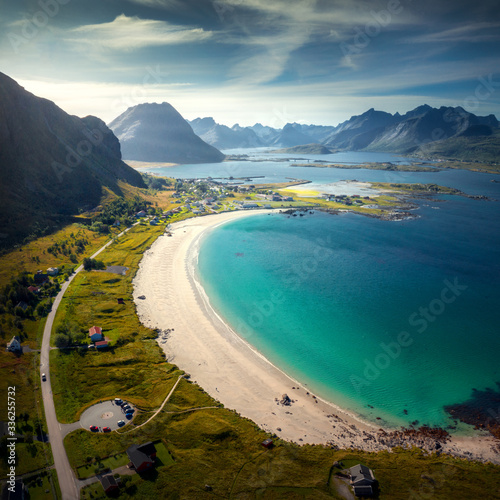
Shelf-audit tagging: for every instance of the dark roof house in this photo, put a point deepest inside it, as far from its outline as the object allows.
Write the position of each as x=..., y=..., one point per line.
x=267, y=443
x=142, y=456
x=14, y=345
x=109, y=483
x=362, y=480
x=40, y=277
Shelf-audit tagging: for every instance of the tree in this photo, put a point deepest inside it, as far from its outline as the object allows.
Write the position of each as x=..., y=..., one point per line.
x=61, y=340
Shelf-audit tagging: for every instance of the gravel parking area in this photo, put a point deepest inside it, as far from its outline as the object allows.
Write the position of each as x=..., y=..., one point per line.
x=103, y=414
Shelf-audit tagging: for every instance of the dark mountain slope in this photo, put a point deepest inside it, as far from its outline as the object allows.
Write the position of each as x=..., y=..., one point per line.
x=52, y=164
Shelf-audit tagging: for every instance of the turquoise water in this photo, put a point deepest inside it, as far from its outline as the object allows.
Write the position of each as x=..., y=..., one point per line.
x=389, y=319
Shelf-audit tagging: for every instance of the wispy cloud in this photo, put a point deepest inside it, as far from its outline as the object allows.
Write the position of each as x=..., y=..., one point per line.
x=470, y=33
x=129, y=33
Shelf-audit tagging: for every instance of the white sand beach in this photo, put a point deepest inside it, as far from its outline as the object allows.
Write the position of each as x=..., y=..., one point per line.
x=234, y=373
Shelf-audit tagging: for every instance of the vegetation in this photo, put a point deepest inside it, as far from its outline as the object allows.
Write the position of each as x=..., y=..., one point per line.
x=476, y=152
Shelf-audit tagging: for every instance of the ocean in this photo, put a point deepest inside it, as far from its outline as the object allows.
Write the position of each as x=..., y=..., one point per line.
x=390, y=320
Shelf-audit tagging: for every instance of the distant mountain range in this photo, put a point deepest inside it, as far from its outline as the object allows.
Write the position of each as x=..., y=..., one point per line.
x=158, y=133
x=411, y=133
x=52, y=164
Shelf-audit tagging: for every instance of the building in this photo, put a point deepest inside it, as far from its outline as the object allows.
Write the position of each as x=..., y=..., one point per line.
x=33, y=289
x=362, y=480
x=102, y=344
x=40, y=277
x=109, y=483
x=15, y=345
x=142, y=457
x=250, y=205
x=95, y=333
x=142, y=213
x=267, y=443
x=52, y=271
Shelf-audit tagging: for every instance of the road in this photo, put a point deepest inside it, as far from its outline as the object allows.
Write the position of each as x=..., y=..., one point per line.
x=67, y=480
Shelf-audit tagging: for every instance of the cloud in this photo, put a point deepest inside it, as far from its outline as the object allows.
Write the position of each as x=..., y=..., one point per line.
x=275, y=29
x=129, y=33
x=471, y=33
x=165, y=4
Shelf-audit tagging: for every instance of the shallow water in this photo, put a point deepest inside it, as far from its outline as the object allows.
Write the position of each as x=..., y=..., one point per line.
x=392, y=320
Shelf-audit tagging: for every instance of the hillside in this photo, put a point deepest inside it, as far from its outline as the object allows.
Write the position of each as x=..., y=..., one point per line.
x=482, y=147
x=52, y=164
x=158, y=133
x=309, y=149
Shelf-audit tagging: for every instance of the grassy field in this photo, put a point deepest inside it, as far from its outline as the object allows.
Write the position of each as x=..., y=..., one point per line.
x=35, y=255
x=133, y=367
x=218, y=448
x=23, y=370
x=43, y=486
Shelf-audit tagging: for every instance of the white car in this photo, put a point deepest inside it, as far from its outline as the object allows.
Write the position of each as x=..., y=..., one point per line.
x=44, y=377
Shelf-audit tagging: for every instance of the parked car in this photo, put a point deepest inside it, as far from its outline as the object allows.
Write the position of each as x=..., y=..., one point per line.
x=94, y=428
x=44, y=377
x=121, y=423
x=106, y=429
x=118, y=401
x=126, y=407
x=129, y=416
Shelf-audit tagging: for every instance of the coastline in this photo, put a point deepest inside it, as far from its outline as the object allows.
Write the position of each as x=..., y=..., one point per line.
x=236, y=374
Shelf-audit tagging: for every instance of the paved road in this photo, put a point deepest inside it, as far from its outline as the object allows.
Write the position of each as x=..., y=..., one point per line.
x=67, y=480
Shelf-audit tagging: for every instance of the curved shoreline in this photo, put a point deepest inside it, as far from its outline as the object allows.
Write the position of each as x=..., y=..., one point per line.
x=234, y=372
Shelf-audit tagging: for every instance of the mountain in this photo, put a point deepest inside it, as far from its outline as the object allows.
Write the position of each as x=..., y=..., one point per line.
x=265, y=133
x=158, y=133
x=428, y=126
x=291, y=135
x=380, y=131
x=359, y=131
x=223, y=137
x=52, y=164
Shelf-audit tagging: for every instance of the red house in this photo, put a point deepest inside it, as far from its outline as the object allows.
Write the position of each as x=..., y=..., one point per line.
x=102, y=343
x=142, y=457
x=267, y=443
x=95, y=333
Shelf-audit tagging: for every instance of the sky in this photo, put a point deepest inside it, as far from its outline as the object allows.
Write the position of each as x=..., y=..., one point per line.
x=248, y=61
